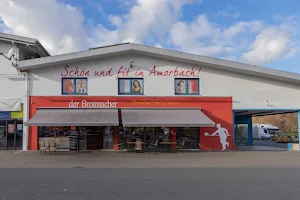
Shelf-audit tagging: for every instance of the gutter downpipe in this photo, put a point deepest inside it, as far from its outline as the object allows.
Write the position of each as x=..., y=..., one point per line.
x=26, y=113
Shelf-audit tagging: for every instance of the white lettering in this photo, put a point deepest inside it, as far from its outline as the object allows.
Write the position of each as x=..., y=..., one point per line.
x=73, y=104
x=92, y=104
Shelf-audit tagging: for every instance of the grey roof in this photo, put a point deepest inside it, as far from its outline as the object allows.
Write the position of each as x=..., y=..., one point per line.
x=163, y=54
x=26, y=41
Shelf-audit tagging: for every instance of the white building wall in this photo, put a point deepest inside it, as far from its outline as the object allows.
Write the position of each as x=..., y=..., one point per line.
x=248, y=92
x=12, y=83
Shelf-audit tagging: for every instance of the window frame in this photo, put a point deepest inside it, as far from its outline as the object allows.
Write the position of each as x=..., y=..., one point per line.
x=187, y=86
x=131, y=81
x=75, y=80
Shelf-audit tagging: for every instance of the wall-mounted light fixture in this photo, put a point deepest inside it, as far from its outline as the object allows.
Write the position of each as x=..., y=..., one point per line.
x=131, y=63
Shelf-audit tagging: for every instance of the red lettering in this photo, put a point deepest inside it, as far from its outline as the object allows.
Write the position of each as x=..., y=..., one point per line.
x=176, y=72
x=159, y=73
x=87, y=73
x=75, y=72
x=153, y=71
x=193, y=72
x=166, y=73
x=98, y=73
x=66, y=71
x=139, y=73
x=199, y=71
x=119, y=72
x=109, y=72
x=103, y=73
x=171, y=72
x=127, y=72
x=188, y=71
x=181, y=73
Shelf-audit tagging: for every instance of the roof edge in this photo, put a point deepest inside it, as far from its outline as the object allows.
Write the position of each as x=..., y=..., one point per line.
x=24, y=40
x=178, y=56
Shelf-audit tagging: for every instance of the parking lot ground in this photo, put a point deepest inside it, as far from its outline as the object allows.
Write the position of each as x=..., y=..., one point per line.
x=100, y=159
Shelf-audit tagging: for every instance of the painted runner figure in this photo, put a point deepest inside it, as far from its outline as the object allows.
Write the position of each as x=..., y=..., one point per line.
x=223, y=134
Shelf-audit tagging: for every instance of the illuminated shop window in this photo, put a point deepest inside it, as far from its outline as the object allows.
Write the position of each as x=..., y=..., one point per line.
x=187, y=86
x=131, y=86
x=71, y=86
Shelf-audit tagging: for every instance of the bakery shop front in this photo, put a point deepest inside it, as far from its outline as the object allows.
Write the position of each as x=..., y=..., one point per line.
x=112, y=96
x=199, y=123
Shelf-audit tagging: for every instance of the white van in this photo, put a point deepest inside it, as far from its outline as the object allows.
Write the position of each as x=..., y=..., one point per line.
x=263, y=131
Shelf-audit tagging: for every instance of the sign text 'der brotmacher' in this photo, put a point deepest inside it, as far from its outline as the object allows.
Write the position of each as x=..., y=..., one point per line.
x=92, y=104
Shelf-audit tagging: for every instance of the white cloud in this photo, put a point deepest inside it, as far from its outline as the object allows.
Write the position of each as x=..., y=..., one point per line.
x=115, y=20
x=142, y=22
x=188, y=36
x=62, y=28
x=158, y=45
x=229, y=11
x=59, y=27
x=242, y=27
x=270, y=44
x=204, y=37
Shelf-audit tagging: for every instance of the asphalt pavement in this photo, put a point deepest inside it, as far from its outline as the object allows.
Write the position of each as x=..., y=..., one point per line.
x=150, y=184
x=247, y=175
x=270, y=143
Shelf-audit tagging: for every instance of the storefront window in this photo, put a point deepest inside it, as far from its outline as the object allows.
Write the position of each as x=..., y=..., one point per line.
x=190, y=137
x=148, y=135
x=187, y=86
x=130, y=86
x=49, y=133
x=55, y=131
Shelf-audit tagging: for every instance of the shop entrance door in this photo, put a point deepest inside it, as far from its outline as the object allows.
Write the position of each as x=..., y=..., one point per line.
x=241, y=131
x=14, y=134
x=3, y=135
x=108, y=138
x=95, y=137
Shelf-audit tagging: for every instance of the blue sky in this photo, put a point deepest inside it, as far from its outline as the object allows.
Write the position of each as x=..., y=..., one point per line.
x=260, y=32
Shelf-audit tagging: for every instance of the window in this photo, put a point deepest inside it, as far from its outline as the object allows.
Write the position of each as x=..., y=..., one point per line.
x=54, y=131
x=148, y=135
x=187, y=86
x=74, y=86
x=190, y=136
x=60, y=132
x=131, y=86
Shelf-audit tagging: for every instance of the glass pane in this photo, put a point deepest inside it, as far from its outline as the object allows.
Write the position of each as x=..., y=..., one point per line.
x=10, y=135
x=190, y=136
x=19, y=136
x=137, y=86
x=95, y=137
x=108, y=138
x=193, y=87
x=124, y=86
x=130, y=135
x=82, y=137
x=241, y=133
x=180, y=86
x=2, y=134
x=63, y=133
x=81, y=86
x=68, y=86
